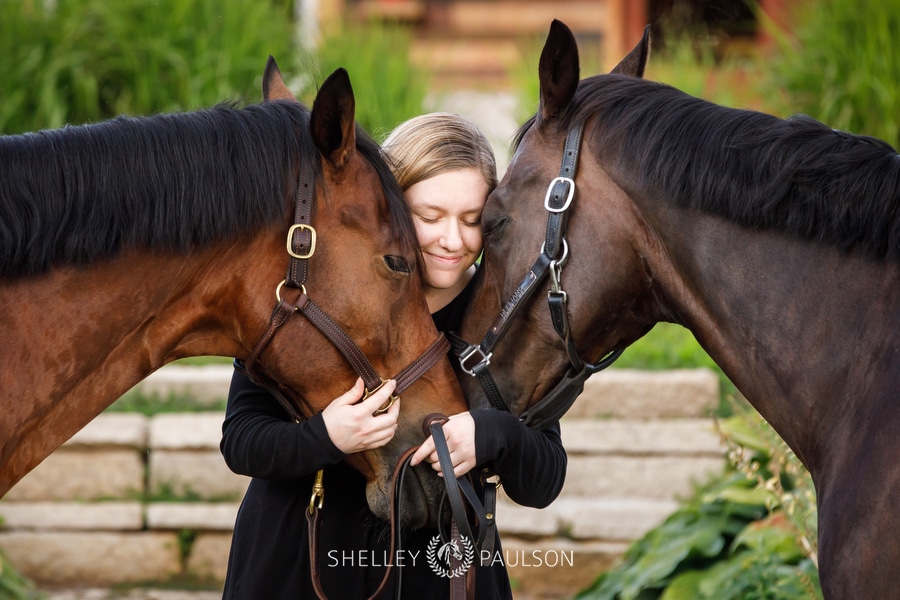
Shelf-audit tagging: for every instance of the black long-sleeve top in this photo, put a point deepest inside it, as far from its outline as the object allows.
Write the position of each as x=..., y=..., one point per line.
x=270, y=555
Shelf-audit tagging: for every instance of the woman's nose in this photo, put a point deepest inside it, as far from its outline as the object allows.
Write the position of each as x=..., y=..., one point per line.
x=450, y=236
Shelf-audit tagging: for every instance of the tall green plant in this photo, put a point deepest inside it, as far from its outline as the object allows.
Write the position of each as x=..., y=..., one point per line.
x=839, y=64
x=76, y=61
x=388, y=87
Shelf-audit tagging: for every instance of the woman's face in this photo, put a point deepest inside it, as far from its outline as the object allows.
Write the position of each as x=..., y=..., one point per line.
x=447, y=212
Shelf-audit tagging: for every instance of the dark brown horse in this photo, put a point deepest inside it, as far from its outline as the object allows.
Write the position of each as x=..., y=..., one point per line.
x=127, y=244
x=776, y=242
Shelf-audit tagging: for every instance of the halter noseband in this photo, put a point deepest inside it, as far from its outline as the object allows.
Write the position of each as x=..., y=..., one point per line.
x=474, y=359
x=301, y=245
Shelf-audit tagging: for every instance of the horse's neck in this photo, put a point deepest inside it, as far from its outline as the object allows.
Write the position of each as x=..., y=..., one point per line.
x=798, y=327
x=89, y=334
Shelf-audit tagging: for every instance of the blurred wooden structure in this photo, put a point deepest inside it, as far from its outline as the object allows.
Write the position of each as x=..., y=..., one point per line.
x=479, y=43
x=476, y=43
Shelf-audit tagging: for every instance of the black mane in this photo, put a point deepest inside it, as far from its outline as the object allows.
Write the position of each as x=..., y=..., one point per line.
x=796, y=175
x=172, y=182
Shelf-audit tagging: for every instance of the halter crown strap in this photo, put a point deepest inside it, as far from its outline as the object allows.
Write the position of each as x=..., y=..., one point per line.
x=301, y=238
x=561, y=192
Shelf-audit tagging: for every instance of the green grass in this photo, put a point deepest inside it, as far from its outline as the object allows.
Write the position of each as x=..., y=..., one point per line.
x=203, y=361
x=154, y=404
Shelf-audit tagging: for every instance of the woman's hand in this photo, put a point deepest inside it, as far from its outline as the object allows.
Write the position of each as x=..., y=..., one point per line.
x=460, y=434
x=351, y=424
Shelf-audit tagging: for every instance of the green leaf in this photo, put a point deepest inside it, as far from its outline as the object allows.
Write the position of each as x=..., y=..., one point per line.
x=685, y=586
x=772, y=536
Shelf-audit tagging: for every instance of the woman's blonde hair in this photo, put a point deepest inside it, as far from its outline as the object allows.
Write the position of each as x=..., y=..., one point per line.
x=434, y=143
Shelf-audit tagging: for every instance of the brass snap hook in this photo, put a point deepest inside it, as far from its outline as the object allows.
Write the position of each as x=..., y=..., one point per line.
x=387, y=405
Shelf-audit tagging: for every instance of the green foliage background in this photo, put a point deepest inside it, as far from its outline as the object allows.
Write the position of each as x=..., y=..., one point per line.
x=840, y=65
x=78, y=61
x=388, y=88
x=81, y=61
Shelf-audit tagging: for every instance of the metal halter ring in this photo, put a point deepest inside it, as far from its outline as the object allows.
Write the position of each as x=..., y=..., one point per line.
x=280, y=285
x=560, y=262
x=387, y=405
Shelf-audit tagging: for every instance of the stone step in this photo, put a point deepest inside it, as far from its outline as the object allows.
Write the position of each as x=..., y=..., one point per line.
x=186, y=431
x=206, y=384
x=118, y=516
x=93, y=558
x=655, y=477
x=83, y=474
x=611, y=519
x=637, y=394
x=112, y=430
x=72, y=516
x=200, y=516
x=631, y=437
x=200, y=474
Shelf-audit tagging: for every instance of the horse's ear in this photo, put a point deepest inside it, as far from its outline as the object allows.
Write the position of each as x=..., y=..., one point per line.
x=558, y=71
x=273, y=85
x=636, y=61
x=332, y=121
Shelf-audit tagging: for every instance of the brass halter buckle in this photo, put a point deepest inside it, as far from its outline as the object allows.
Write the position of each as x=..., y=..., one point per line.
x=312, y=241
x=387, y=405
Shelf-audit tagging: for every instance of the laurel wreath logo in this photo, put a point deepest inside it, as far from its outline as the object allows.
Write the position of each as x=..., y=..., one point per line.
x=438, y=553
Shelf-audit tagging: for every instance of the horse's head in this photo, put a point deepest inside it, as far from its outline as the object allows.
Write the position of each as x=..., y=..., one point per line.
x=450, y=549
x=598, y=273
x=358, y=261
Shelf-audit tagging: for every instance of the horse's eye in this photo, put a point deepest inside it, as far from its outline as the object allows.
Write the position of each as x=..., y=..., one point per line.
x=494, y=226
x=397, y=264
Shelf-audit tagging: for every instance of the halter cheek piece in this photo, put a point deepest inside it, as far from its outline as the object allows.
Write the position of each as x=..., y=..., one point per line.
x=474, y=359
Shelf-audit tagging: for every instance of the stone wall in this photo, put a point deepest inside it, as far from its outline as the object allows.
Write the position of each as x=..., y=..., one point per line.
x=87, y=515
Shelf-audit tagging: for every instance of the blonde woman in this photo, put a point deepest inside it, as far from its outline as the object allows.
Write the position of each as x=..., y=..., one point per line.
x=446, y=169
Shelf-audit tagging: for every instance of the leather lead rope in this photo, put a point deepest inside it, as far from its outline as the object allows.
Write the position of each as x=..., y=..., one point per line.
x=314, y=518
x=459, y=491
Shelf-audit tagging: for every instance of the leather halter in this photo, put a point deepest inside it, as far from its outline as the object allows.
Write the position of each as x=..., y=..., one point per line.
x=474, y=359
x=301, y=245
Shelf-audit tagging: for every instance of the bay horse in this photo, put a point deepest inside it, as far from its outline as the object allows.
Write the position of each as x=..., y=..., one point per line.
x=133, y=242
x=775, y=242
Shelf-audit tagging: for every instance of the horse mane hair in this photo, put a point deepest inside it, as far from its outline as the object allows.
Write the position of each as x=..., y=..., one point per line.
x=170, y=182
x=796, y=175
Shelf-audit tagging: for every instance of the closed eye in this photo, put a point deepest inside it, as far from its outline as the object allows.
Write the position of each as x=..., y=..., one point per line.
x=397, y=264
x=492, y=228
